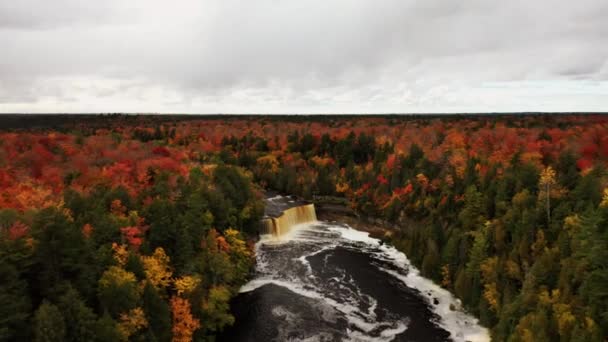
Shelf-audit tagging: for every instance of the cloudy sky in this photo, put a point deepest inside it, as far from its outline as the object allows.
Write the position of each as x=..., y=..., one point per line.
x=314, y=56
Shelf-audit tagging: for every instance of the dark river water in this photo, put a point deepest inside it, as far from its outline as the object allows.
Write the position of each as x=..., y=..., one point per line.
x=329, y=282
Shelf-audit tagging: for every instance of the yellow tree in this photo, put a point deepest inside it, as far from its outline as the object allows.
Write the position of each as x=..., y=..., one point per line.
x=216, y=308
x=489, y=276
x=605, y=199
x=131, y=322
x=237, y=244
x=121, y=254
x=269, y=162
x=342, y=187
x=565, y=319
x=545, y=184
x=118, y=290
x=186, y=284
x=445, y=276
x=157, y=268
x=240, y=256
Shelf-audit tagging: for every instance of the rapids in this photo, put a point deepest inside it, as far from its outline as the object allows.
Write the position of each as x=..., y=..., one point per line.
x=324, y=281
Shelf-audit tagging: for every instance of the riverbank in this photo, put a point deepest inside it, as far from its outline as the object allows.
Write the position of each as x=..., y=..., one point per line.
x=376, y=228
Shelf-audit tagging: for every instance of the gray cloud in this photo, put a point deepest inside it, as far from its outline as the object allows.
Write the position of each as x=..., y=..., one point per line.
x=278, y=56
x=40, y=14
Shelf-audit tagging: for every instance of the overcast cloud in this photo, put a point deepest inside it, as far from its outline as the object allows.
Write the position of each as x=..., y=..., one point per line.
x=271, y=56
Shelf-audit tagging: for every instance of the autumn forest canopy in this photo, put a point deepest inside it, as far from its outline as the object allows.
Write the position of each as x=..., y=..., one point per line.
x=142, y=227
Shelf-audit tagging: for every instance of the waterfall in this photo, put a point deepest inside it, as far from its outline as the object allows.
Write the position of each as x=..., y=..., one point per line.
x=282, y=224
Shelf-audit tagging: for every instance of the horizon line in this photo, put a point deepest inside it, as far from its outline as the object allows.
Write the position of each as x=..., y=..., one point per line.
x=317, y=114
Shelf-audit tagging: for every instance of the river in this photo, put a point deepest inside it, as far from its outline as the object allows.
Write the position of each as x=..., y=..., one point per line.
x=328, y=282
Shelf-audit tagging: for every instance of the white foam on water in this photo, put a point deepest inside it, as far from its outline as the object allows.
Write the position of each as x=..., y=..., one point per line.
x=275, y=198
x=297, y=288
x=354, y=235
x=320, y=338
x=352, y=314
x=372, y=306
x=304, y=258
x=363, y=323
x=461, y=326
x=391, y=333
x=386, y=335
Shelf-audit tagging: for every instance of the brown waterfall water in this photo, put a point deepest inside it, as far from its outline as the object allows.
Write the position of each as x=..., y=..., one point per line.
x=281, y=225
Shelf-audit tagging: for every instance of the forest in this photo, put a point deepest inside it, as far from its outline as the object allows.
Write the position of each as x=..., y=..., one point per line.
x=142, y=227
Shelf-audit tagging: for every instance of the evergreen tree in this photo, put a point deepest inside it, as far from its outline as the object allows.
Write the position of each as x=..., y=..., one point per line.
x=471, y=215
x=106, y=329
x=79, y=319
x=49, y=325
x=118, y=291
x=14, y=299
x=59, y=253
x=158, y=314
